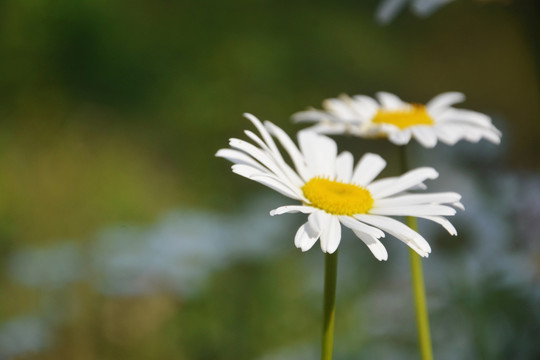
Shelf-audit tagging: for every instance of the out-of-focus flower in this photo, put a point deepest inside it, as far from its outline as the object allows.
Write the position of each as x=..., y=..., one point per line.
x=180, y=252
x=333, y=191
x=48, y=268
x=23, y=336
x=388, y=9
x=400, y=121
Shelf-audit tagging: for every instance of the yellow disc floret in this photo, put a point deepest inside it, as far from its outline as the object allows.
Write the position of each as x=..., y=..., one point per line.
x=337, y=198
x=415, y=115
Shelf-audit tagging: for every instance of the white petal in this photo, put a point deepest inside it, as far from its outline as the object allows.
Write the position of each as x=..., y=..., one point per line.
x=443, y=222
x=425, y=136
x=354, y=224
x=255, y=153
x=374, y=245
x=469, y=132
x=292, y=150
x=414, y=210
x=390, y=101
x=344, y=165
x=465, y=116
x=405, y=182
x=249, y=171
x=366, y=105
x=273, y=153
x=329, y=128
x=367, y=169
x=306, y=236
x=413, y=199
x=293, y=209
x=264, y=133
x=381, y=184
x=278, y=186
x=239, y=157
x=400, y=137
x=448, y=135
x=330, y=234
x=363, y=111
x=320, y=153
x=311, y=116
x=399, y=230
x=459, y=205
x=443, y=101
x=340, y=110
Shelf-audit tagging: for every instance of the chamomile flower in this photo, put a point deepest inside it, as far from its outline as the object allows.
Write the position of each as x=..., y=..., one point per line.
x=333, y=192
x=400, y=121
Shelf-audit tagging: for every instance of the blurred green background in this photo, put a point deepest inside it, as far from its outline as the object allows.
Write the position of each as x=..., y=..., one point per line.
x=110, y=116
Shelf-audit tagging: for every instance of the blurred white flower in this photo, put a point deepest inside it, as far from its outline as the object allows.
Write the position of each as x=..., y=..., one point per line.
x=23, y=336
x=391, y=117
x=334, y=192
x=47, y=268
x=388, y=9
x=179, y=252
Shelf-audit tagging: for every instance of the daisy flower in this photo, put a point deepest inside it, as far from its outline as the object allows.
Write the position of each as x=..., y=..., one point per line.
x=333, y=192
x=400, y=121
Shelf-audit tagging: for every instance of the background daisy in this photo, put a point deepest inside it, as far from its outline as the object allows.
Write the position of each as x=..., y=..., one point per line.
x=400, y=121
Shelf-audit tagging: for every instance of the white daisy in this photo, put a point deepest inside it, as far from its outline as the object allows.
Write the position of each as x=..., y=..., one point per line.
x=399, y=121
x=334, y=192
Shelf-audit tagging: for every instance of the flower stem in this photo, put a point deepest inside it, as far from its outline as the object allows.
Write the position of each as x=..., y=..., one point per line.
x=417, y=277
x=422, y=319
x=329, y=312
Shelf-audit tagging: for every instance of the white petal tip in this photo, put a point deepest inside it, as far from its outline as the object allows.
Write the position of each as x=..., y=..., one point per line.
x=459, y=205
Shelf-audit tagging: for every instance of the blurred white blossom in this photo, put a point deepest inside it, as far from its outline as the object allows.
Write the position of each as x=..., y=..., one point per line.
x=388, y=9
x=23, y=336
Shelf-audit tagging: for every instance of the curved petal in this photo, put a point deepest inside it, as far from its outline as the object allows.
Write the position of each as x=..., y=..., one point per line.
x=367, y=169
x=414, y=210
x=278, y=186
x=354, y=224
x=311, y=116
x=238, y=157
x=415, y=199
x=463, y=115
x=292, y=209
x=344, y=165
x=400, y=137
x=405, y=182
x=307, y=235
x=340, y=110
x=330, y=233
x=295, y=154
x=399, y=230
x=374, y=245
x=444, y=100
x=425, y=135
x=365, y=104
x=390, y=101
x=319, y=151
x=443, y=222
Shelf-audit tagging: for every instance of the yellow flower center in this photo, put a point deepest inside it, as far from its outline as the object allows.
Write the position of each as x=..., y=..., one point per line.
x=416, y=115
x=336, y=197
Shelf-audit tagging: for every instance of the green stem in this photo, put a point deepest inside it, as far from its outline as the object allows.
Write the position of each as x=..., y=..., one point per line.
x=417, y=277
x=422, y=319
x=329, y=313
